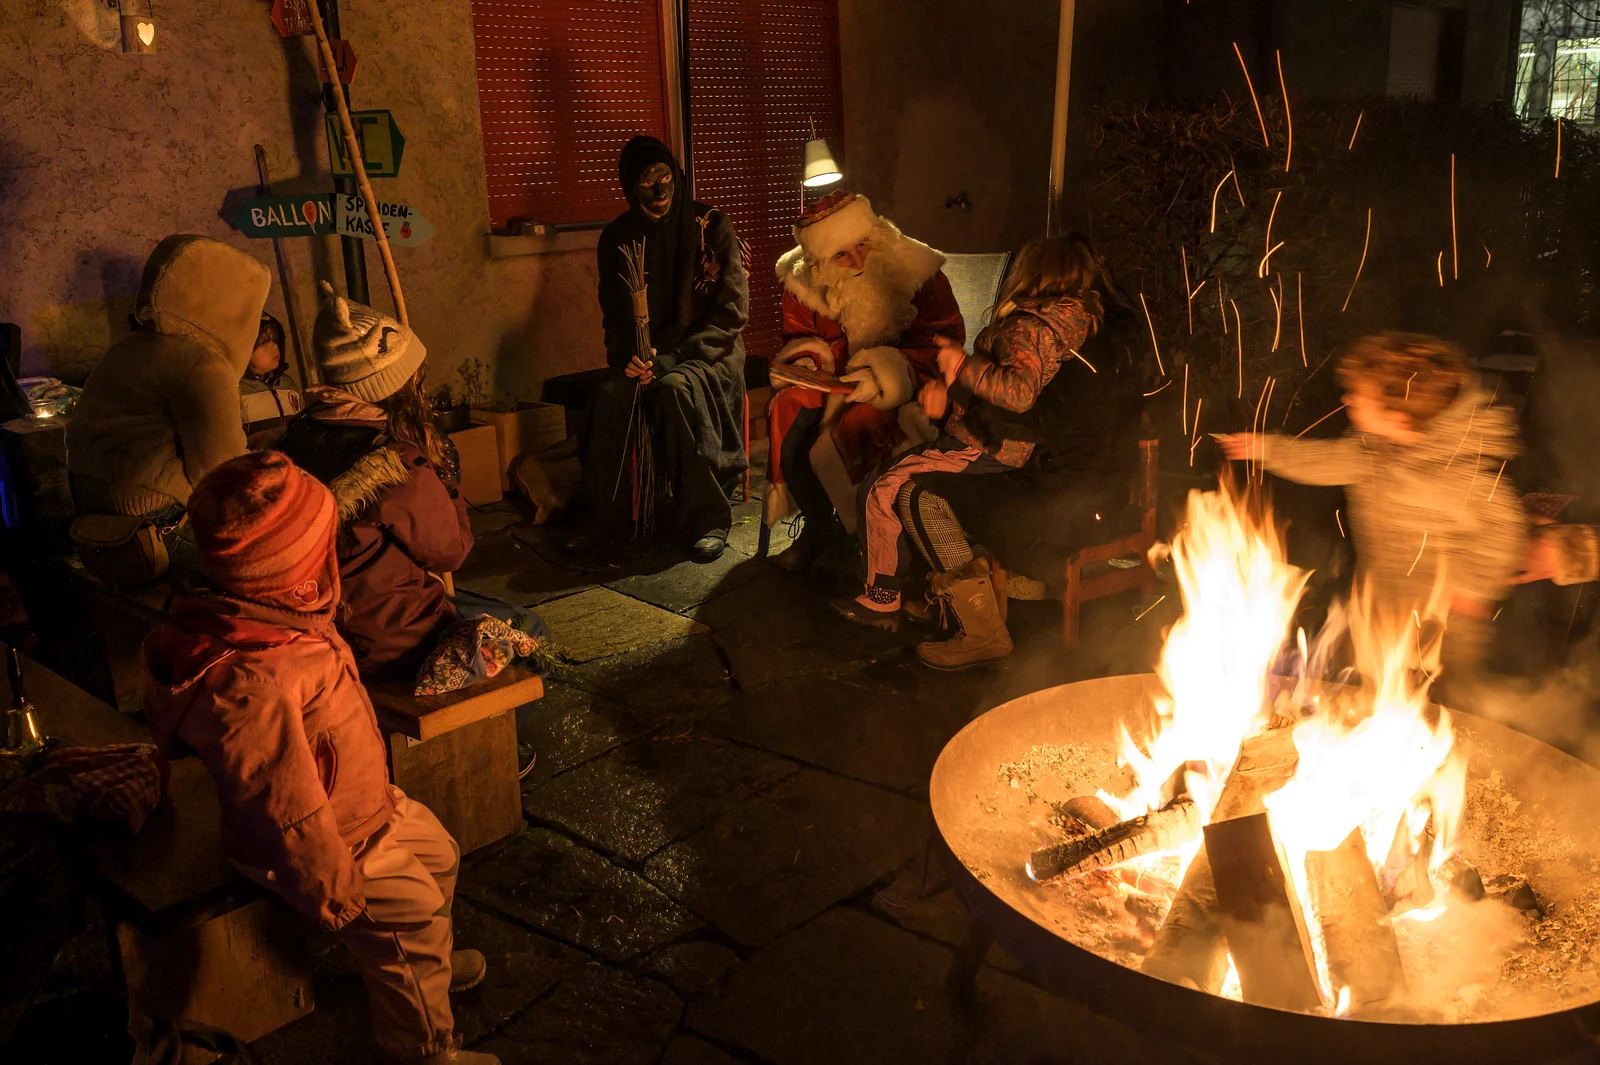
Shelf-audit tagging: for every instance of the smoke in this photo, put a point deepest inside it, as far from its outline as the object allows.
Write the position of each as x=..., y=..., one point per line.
x=1555, y=706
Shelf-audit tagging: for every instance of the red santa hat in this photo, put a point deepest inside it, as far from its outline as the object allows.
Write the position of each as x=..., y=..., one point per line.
x=839, y=220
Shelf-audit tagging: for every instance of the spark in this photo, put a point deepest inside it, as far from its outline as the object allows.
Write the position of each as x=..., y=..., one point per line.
x=1261, y=270
x=1439, y=265
x=1192, y=294
x=1163, y=388
x=1238, y=328
x=1421, y=549
x=1083, y=360
x=1277, y=322
x=1497, y=479
x=1288, y=118
x=1413, y=377
x=1558, y=144
x=1222, y=312
x=1476, y=466
x=1340, y=522
x=1359, y=116
x=1364, y=242
x=1194, y=441
x=1253, y=98
x=1319, y=421
x=1294, y=398
x=1300, y=317
x=1470, y=419
x=1218, y=191
x=1455, y=253
x=1185, y=399
x=1159, y=600
x=1260, y=420
x=1153, y=345
x=1488, y=256
x=1497, y=615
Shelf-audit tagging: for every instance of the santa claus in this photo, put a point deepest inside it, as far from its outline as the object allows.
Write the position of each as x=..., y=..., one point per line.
x=863, y=301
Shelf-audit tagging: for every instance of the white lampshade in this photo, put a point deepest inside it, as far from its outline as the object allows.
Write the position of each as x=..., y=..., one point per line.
x=820, y=167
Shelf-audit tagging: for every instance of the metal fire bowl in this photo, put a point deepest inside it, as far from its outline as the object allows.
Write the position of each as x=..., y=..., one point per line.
x=984, y=824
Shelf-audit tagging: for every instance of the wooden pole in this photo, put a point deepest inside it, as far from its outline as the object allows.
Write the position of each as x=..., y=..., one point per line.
x=1058, y=130
x=306, y=379
x=358, y=164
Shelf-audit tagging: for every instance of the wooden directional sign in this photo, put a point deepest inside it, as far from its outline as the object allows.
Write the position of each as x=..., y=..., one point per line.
x=285, y=216
x=401, y=224
x=381, y=144
x=292, y=18
x=344, y=57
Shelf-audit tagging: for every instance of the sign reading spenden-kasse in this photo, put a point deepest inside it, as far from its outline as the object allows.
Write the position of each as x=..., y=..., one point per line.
x=403, y=225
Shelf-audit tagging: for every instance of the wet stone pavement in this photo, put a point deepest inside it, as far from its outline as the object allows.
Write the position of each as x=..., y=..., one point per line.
x=726, y=855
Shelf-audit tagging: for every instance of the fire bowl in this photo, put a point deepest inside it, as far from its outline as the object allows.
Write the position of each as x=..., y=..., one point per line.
x=990, y=821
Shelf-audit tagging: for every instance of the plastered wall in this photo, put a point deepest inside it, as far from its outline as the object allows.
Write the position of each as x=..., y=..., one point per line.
x=102, y=154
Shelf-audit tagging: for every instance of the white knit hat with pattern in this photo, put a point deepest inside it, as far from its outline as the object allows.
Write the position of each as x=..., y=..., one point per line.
x=363, y=351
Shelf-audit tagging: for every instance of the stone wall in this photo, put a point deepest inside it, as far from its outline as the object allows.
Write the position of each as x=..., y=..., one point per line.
x=102, y=154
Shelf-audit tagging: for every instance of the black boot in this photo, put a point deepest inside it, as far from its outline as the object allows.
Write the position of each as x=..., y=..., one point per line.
x=812, y=543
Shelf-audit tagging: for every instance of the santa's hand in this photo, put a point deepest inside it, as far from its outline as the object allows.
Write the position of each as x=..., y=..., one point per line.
x=866, y=383
x=934, y=399
x=951, y=358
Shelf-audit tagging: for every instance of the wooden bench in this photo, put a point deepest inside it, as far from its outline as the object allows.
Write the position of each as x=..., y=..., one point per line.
x=198, y=943
x=1089, y=574
x=457, y=753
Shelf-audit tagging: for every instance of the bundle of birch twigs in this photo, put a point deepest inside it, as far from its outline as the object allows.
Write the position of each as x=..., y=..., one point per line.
x=638, y=453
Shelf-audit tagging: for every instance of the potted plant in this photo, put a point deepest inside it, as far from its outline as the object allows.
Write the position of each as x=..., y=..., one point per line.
x=450, y=412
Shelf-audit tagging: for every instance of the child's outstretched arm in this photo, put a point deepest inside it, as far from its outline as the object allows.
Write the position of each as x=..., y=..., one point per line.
x=1340, y=460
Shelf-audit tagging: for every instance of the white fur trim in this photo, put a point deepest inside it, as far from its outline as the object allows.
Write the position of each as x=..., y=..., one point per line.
x=897, y=384
x=849, y=225
x=915, y=262
x=814, y=348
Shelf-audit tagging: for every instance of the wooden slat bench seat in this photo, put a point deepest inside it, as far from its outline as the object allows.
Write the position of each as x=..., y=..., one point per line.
x=457, y=753
x=199, y=944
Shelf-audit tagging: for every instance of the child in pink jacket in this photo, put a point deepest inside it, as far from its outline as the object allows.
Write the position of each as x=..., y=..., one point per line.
x=255, y=680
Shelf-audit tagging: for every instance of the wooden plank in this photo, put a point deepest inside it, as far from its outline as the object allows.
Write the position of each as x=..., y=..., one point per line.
x=247, y=972
x=423, y=717
x=1261, y=915
x=1362, y=953
x=467, y=777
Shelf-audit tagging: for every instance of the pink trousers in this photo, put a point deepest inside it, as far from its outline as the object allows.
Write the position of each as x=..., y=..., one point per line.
x=402, y=941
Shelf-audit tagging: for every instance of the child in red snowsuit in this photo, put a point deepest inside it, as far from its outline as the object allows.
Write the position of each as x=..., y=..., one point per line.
x=255, y=680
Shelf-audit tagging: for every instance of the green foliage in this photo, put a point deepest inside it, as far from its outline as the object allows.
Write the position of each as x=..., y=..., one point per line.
x=1526, y=248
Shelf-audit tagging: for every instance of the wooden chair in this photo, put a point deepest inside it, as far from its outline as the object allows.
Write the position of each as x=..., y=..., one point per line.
x=457, y=753
x=1102, y=579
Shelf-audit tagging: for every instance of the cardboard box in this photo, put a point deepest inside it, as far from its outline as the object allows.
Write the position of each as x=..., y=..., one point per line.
x=532, y=426
x=480, y=464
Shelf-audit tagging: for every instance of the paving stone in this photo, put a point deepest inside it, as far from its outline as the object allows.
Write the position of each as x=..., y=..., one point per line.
x=569, y=726
x=920, y=900
x=521, y=966
x=746, y=532
x=789, y=854
x=502, y=567
x=798, y=634
x=687, y=1049
x=601, y=622
x=855, y=724
x=595, y=1016
x=685, y=679
x=484, y=521
x=653, y=791
x=337, y=1030
x=757, y=596
x=688, y=584
x=690, y=968
x=568, y=891
x=849, y=988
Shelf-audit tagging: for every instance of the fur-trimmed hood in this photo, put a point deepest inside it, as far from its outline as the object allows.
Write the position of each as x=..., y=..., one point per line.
x=912, y=263
x=359, y=487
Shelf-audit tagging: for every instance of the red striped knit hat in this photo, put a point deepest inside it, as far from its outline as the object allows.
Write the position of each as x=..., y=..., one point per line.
x=265, y=531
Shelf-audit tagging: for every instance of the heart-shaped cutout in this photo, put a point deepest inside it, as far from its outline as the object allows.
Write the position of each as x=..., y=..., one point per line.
x=147, y=33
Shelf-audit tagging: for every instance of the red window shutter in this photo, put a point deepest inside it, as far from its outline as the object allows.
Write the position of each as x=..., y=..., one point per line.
x=760, y=71
x=562, y=85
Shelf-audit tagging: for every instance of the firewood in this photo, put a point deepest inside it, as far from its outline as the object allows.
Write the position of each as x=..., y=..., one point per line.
x=1261, y=915
x=1514, y=891
x=1404, y=876
x=1091, y=812
x=1161, y=830
x=1464, y=881
x=1362, y=953
x=1190, y=948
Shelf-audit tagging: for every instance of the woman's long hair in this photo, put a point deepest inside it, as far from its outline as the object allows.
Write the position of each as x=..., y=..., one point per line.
x=411, y=419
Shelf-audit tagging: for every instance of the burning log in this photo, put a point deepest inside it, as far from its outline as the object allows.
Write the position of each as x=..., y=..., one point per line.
x=1091, y=812
x=1261, y=916
x=1362, y=953
x=1162, y=830
x=1190, y=947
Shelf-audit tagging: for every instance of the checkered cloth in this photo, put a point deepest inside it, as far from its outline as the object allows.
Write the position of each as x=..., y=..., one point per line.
x=121, y=784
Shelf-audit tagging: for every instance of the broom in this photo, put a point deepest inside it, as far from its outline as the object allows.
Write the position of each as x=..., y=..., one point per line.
x=638, y=442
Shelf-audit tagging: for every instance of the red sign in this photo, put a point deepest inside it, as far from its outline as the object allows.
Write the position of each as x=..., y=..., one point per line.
x=292, y=18
x=344, y=56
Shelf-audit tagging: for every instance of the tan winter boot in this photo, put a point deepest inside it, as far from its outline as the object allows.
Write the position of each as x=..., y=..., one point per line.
x=970, y=592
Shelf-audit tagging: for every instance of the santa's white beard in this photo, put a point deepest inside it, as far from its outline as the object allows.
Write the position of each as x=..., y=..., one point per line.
x=874, y=306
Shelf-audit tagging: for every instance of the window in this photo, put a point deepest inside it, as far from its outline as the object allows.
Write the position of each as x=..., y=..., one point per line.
x=760, y=73
x=562, y=85
x=1574, y=77
x=1558, y=60
x=1413, y=51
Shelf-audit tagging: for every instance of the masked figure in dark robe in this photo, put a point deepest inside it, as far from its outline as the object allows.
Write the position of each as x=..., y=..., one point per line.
x=691, y=393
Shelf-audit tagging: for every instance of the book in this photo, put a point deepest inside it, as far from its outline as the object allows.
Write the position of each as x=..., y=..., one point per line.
x=801, y=377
